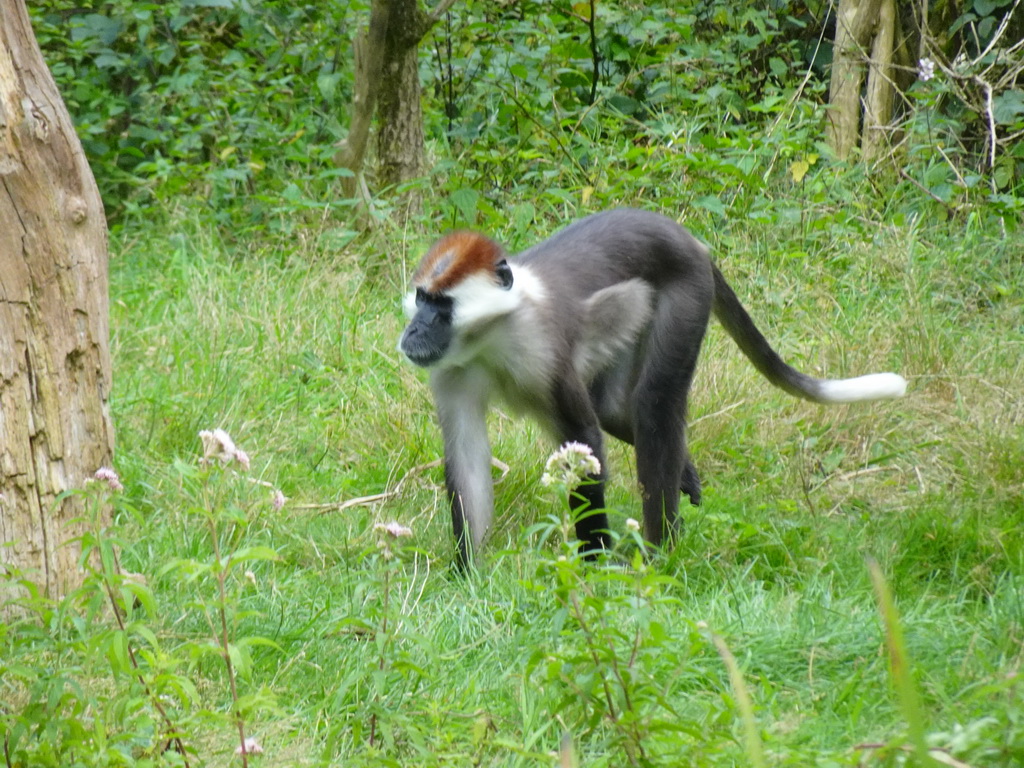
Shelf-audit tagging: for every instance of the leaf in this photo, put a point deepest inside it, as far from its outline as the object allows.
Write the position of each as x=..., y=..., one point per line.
x=986, y=7
x=624, y=104
x=254, y=553
x=241, y=662
x=95, y=25
x=327, y=84
x=586, y=194
x=798, y=169
x=1008, y=107
x=711, y=203
x=582, y=10
x=108, y=61
x=133, y=591
x=1002, y=175
x=465, y=201
x=523, y=215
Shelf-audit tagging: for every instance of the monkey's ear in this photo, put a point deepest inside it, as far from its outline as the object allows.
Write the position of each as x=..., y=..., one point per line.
x=504, y=273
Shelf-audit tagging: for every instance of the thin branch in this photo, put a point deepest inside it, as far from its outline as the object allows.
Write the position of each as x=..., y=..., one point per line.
x=716, y=413
x=360, y=501
x=440, y=10
x=949, y=208
x=592, y=23
x=176, y=740
x=998, y=34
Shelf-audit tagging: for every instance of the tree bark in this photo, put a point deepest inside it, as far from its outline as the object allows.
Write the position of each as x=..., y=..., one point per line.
x=878, y=100
x=368, y=62
x=55, y=428
x=400, y=146
x=387, y=76
x=855, y=24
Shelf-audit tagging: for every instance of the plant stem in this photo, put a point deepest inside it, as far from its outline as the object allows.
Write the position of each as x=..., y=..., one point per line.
x=380, y=661
x=222, y=610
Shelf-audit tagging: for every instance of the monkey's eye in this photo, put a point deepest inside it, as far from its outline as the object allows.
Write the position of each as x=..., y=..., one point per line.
x=504, y=273
x=426, y=297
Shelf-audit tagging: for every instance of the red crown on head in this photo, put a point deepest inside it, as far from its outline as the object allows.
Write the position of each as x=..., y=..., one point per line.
x=455, y=257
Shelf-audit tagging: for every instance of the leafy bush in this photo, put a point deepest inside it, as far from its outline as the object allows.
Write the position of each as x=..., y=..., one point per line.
x=198, y=97
x=712, y=107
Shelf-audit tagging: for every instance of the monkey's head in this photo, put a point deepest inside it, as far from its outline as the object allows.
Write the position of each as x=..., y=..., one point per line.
x=461, y=286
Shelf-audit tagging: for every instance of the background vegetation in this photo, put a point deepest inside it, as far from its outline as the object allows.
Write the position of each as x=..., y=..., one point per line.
x=245, y=296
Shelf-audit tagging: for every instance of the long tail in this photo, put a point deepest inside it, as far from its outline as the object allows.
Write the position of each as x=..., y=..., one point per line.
x=736, y=321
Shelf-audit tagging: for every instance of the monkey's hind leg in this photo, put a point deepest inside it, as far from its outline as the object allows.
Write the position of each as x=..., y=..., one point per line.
x=689, y=483
x=663, y=462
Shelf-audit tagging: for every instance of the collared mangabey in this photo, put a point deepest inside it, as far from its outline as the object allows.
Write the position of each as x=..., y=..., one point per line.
x=596, y=328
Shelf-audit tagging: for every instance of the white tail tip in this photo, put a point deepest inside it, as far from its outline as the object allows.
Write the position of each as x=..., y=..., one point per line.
x=874, y=386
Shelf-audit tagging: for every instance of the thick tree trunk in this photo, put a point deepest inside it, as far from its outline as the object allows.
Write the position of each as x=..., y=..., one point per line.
x=400, y=147
x=55, y=429
x=855, y=25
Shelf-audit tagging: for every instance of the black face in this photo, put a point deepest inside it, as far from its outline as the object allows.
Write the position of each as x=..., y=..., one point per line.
x=429, y=333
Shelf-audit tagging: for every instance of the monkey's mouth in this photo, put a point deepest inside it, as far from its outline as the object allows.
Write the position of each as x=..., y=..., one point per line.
x=419, y=351
x=423, y=359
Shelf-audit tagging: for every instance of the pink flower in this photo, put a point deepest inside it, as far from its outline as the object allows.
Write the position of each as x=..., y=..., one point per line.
x=393, y=529
x=279, y=500
x=109, y=476
x=250, y=747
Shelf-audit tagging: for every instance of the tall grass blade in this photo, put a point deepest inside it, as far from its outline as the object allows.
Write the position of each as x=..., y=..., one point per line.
x=751, y=738
x=899, y=667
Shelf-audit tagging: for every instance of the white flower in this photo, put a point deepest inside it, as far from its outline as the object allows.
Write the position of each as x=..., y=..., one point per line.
x=393, y=529
x=632, y=525
x=926, y=69
x=219, y=445
x=570, y=464
x=250, y=747
x=109, y=476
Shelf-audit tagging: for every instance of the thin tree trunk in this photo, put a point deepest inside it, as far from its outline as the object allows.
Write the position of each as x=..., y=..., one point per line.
x=369, y=62
x=55, y=428
x=878, y=100
x=855, y=23
x=387, y=76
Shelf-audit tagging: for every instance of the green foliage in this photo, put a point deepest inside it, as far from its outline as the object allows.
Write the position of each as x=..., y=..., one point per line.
x=198, y=97
x=92, y=679
x=202, y=103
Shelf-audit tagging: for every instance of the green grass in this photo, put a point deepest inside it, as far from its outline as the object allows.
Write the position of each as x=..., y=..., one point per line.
x=291, y=348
